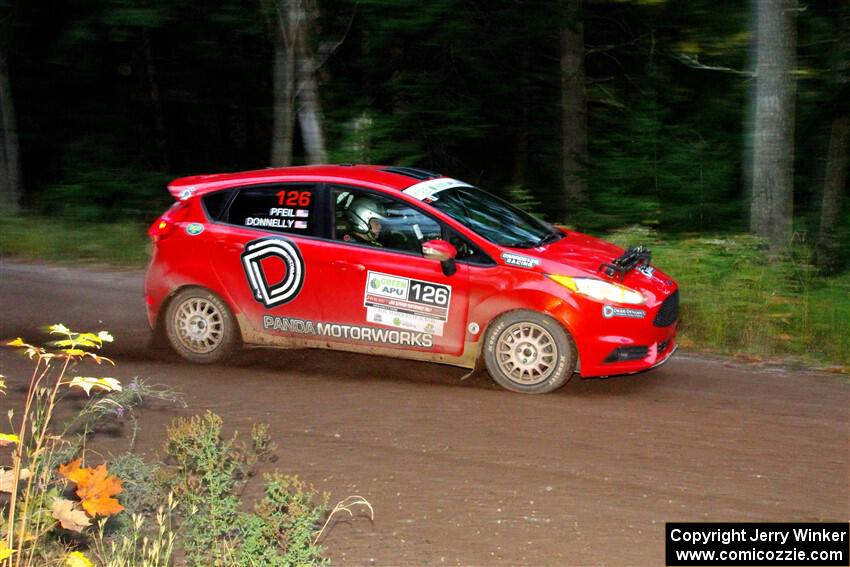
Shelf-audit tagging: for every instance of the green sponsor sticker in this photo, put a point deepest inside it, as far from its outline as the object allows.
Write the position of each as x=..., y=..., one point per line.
x=194, y=229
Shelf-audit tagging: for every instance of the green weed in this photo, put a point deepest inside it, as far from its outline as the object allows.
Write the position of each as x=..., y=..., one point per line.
x=209, y=473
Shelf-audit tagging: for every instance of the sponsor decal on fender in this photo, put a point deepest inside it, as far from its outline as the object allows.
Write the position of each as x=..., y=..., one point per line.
x=609, y=311
x=519, y=260
x=285, y=290
x=350, y=332
x=194, y=229
x=404, y=303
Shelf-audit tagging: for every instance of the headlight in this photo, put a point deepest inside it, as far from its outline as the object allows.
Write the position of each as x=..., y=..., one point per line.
x=600, y=290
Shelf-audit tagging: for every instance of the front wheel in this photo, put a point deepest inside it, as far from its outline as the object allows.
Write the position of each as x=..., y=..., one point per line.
x=199, y=326
x=528, y=352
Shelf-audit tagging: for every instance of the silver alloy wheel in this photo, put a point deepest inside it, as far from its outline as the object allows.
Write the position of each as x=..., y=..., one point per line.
x=526, y=353
x=199, y=325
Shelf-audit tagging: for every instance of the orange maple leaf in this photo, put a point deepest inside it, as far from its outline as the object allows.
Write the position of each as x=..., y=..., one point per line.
x=68, y=469
x=95, y=488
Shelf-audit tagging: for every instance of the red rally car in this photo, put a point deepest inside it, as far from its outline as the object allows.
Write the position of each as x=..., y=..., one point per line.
x=400, y=262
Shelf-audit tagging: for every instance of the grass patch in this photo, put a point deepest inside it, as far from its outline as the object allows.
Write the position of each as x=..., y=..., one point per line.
x=122, y=244
x=736, y=301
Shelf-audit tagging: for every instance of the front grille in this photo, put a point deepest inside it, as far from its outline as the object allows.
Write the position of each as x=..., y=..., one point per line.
x=668, y=313
x=622, y=354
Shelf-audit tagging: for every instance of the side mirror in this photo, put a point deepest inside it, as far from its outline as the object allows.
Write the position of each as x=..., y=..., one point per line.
x=442, y=251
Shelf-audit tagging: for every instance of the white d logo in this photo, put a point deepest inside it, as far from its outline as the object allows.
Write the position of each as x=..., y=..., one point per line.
x=288, y=288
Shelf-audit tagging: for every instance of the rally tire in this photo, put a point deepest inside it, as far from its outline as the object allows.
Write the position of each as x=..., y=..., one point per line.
x=529, y=352
x=199, y=326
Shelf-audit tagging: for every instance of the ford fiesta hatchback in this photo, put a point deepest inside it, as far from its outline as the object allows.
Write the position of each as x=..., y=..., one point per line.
x=400, y=262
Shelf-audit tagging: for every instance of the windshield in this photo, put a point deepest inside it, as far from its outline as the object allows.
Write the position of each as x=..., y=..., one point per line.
x=492, y=218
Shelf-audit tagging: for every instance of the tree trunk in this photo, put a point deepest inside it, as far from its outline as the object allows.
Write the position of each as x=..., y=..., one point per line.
x=283, y=116
x=155, y=101
x=749, y=111
x=521, y=139
x=838, y=154
x=573, y=104
x=835, y=179
x=10, y=170
x=309, y=105
x=772, y=196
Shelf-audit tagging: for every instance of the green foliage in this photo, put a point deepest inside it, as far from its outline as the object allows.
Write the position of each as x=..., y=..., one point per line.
x=52, y=502
x=282, y=529
x=43, y=238
x=661, y=174
x=522, y=198
x=142, y=543
x=210, y=474
x=209, y=470
x=139, y=482
x=735, y=299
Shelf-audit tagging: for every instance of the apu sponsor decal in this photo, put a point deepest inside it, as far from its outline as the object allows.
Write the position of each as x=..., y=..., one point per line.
x=519, y=260
x=194, y=229
x=609, y=311
x=406, y=303
x=285, y=290
x=350, y=332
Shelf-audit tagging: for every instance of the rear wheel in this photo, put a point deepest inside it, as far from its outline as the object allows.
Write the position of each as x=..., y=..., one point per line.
x=528, y=352
x=199, y=326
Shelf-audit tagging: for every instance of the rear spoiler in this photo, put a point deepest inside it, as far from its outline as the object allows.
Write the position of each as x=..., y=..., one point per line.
x=181, y=192
x=633, y=257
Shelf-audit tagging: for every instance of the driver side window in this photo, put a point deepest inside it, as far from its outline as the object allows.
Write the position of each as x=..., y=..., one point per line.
x=362, y=217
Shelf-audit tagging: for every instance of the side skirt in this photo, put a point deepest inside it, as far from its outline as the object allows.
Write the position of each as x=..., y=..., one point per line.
x=252, y=338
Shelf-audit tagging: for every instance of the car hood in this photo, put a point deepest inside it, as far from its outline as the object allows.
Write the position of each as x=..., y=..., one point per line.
x=580, y=251
x=579, y=254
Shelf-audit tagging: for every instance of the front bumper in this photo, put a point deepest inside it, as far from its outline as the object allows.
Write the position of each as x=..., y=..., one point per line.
x=658, y=353
x=619, y=344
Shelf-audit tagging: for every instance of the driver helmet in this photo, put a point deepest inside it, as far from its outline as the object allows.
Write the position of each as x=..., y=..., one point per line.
x=361, y=211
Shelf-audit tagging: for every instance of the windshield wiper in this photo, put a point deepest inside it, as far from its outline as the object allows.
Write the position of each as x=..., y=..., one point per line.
x=551, y=237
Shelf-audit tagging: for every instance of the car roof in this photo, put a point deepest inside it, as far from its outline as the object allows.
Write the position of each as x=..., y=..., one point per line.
x=392, y=177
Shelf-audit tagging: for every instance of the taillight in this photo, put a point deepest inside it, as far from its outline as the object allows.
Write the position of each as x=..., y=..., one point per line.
x=160, y=228
x=165, y=225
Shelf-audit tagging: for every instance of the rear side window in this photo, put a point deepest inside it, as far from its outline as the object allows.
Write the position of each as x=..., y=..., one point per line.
x=287, y=208
x=214, y=203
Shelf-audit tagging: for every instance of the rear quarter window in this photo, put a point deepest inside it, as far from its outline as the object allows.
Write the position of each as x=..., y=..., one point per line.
x=214, y=203
x=290, y=209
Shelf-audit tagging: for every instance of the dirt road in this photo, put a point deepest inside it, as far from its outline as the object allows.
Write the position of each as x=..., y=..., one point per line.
x=464, y=473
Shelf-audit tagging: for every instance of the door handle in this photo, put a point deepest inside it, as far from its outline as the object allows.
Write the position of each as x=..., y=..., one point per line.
x=346, y=265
